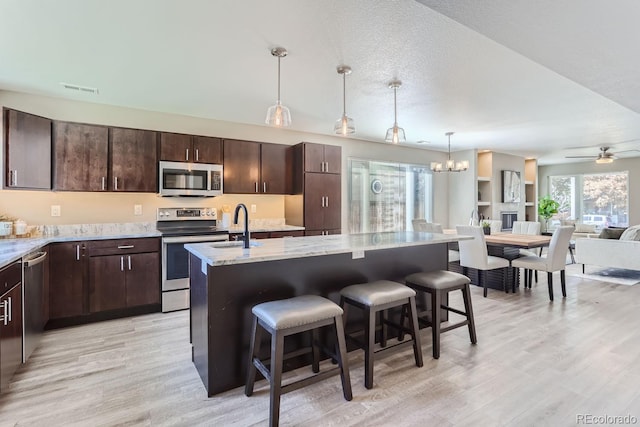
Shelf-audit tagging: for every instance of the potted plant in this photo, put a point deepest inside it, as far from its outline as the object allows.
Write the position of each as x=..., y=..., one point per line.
x=486, y=227
x=547, y=207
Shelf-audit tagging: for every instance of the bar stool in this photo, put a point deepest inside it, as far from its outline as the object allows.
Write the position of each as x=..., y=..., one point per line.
x=437, y=283
x=291, y=316
x=376, y=297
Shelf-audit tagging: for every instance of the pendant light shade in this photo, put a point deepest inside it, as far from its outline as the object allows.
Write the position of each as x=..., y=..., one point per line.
x=395, y=134
x=278, y=115
x=344, y=125
x=450, y=165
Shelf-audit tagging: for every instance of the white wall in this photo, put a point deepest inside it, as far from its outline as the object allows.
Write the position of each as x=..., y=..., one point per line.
x=34, y=206
x=632, y=165
x=463, y=189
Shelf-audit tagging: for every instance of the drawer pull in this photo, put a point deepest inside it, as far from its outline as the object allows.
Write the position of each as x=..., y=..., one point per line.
x=126, y=246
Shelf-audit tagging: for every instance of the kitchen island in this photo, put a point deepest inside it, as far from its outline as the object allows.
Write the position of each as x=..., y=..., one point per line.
x=227, y=281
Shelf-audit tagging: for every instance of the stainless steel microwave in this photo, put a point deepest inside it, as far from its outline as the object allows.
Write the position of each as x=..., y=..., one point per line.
x=190, y=179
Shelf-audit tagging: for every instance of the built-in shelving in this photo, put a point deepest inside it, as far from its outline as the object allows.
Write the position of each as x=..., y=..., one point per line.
x=485, y=185
x=530, y=190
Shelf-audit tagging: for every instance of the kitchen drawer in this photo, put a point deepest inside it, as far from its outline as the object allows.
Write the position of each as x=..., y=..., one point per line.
x=10, y=276
x=123, y=246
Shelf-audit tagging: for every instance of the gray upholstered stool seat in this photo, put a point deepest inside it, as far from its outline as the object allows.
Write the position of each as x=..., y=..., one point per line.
x=297, y=311
x=287, y=317
x=377, y=297
x=440, y=279
x=377, y=293
x=438, y=284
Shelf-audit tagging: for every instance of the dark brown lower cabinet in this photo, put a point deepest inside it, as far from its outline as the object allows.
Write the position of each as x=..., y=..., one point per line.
x=103, y=279
x=123, y=281
x=10, y=334
x=67, y=271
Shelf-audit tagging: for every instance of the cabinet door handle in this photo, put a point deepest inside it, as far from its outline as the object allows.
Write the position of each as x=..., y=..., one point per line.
x=322, y=166
x=126, y=246
x=103, y=183
x=115, y=182
x=121, y=263
x=129, y=260
x=197, y=155
x=5, y=317
x=326, y=204
x=187, y=154
x=256, y=186
x=77, y=252
x=8, y=310
x=326, y=166
x=264, y=186
x=13, y=177
x=322, y=202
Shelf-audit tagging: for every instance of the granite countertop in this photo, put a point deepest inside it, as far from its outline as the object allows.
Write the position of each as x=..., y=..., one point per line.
x=299, y=247
x=13, y=249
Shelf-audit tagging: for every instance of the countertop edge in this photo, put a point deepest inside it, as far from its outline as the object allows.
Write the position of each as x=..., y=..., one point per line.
x=194, y=248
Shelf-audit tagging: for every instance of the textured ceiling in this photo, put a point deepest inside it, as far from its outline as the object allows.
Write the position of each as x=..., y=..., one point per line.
x=521, y=77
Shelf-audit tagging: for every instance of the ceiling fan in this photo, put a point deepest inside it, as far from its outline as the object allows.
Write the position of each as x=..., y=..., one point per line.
x=604, y=156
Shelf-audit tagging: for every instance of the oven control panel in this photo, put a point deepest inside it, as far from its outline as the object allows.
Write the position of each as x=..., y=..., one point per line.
x=186, y=214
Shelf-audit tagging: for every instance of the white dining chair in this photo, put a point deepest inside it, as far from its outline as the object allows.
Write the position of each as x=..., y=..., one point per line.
x=474, y=254
x=554, y=260
x=434, y=227
x=530, y=228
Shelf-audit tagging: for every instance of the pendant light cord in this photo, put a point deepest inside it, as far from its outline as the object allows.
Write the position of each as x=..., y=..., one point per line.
x=395, y=107
x=344, y=94
x=279, y=80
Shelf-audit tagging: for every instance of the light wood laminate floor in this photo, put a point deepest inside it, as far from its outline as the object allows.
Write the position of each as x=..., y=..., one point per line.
x=536, y=364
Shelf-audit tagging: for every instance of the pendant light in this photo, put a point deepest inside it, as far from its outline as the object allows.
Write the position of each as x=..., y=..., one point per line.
x=450, y=165
x=395, y=134
x=278, y=115
x=344, y=125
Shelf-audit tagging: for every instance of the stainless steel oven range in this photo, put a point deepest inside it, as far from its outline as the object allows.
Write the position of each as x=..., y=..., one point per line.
x=179, y=226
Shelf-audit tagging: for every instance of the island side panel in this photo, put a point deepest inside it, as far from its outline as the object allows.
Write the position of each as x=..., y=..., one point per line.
x=235, y=289
x=199, y=317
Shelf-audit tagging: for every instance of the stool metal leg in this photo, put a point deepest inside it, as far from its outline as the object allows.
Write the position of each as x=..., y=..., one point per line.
x=383, y=328
x=341, y=351
x=466, y=296
x=370, y=337
x=435, y=321
x=315, y=351
x=256, y=335
x=415, y=328
x=277, y=356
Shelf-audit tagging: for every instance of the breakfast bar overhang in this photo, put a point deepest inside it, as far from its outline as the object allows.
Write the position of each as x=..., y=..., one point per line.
x=227, y=281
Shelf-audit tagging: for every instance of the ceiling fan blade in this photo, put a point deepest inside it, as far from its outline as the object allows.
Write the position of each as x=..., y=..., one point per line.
x=581, y=157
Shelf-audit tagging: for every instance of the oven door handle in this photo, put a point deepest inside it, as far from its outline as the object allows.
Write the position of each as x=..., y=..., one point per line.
x=195, y=239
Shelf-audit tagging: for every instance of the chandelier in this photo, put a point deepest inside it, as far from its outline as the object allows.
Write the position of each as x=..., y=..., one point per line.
x=450, y=165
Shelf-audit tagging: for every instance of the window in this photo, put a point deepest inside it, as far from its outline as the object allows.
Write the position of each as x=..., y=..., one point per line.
x=598, y=199
x=386, y=196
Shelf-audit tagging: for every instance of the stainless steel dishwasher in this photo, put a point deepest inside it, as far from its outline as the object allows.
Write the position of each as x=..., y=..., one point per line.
x=32, y=301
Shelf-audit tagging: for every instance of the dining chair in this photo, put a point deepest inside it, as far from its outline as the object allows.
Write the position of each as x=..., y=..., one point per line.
x=554, y=260
x=530, y=228
x=474, y=254
x=434, y=227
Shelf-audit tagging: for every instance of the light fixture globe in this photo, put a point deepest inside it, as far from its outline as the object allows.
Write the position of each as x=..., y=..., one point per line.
x=278, y=115
x=395, y=134
x=344, y=125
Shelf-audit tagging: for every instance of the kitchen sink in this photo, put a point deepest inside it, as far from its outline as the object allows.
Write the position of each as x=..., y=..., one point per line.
x=235, y=244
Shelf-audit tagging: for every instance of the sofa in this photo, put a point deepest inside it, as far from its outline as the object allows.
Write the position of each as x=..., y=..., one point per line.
x=623, y=252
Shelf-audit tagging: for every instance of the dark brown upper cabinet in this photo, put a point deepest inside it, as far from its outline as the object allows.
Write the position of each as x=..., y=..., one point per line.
x=134, y=160
x=176, y=147
x=81, y=153
x=254, y=167
x=28, y=150
x=322, y=158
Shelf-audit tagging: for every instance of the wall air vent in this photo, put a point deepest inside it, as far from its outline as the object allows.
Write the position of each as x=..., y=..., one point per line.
x=79, y=88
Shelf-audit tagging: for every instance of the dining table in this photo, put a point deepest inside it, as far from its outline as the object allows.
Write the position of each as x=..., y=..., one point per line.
x=504, y=245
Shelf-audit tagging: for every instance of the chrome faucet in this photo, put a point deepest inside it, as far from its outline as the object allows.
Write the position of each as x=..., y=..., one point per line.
x=245, y=237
